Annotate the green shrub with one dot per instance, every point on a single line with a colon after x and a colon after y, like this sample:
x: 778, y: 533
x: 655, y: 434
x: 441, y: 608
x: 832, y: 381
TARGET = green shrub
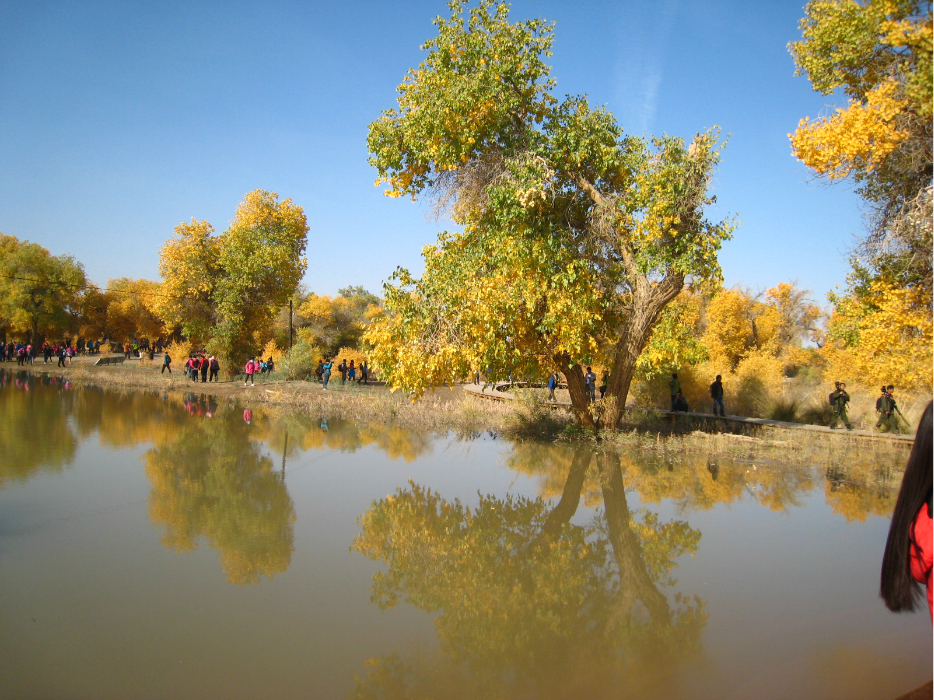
x: 300, y: 362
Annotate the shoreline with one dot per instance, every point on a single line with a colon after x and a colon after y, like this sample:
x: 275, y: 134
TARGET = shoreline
x: 453, y: 410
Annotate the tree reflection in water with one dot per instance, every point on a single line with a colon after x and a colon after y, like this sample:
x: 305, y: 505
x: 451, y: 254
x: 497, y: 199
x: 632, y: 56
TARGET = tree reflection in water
x: 34, y: 429
x: 211, y: 480
x: 529, y: 604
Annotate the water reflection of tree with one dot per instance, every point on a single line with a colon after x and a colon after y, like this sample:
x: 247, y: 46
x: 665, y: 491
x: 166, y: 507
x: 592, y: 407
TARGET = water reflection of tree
x: 128, y: 418
x: 210, y: 480
x: 305, y: 432
x: 855, y: 489
x: 858, y: 491
x: 528, y: 603
x: 35, y: 433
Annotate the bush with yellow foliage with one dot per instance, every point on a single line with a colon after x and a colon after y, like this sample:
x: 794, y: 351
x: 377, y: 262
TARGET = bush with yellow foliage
x: 752, y: 341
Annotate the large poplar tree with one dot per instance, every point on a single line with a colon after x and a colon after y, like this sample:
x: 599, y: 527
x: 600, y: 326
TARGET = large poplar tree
x: 40, y: 293
x: 878, y: 53
x: 574, y: 236
x: 222, y: 291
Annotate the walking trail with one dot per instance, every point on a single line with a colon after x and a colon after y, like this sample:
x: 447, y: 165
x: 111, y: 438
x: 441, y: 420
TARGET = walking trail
x: 494, y: 392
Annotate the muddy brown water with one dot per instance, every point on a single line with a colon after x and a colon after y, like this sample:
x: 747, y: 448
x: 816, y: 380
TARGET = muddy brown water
x: 190, y: 547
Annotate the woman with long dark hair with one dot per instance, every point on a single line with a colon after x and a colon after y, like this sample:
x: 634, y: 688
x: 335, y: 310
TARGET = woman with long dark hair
x: 908, y: 550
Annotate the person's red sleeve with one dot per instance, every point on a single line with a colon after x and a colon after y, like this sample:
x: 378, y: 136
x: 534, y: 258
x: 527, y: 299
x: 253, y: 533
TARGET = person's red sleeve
x: 921, y: 561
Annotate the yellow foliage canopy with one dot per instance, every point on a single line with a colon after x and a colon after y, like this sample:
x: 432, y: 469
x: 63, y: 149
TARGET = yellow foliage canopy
x: 859, y: 137
x: 884, y: 338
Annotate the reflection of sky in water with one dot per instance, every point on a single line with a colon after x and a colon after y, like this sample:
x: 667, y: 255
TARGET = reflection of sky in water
x: 96, y: 603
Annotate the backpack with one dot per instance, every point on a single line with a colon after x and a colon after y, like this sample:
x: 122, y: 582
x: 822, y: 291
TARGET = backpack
x: 833, y: 397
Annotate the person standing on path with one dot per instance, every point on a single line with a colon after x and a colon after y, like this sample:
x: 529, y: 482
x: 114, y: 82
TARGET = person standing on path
x: 205, y: 365
x: 674, y: 388
x: 352, y: 373
x: 215, y: 367
x: 166, y: 364
x: 884, y: 409
x: 839, y: 399
x: 61, y: 355
x: 604, y: 383
x: 326, y: 372
x: 552, y: 384
x: 590, y: 384
x: 342, y: 368
x: 364, y: 372
x: 716, y: 393
x: 248, y: 371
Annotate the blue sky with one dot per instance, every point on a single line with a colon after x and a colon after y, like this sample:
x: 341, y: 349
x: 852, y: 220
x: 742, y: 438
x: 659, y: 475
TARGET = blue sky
x: 120, y: 120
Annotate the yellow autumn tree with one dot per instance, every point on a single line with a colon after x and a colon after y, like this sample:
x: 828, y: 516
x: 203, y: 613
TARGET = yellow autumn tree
x: 130, y: 314
x: 575, y: 236
x: 879, y: 53
x: 222, y: 292
x: 339, y: 321
x: 190, y: 268
x: 882, y: 337
x: 40, y: 293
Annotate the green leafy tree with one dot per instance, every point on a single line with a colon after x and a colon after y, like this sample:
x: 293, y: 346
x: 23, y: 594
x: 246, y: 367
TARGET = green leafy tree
x: 40, y: 293
x: 575, y: 236
x: 223, y: 291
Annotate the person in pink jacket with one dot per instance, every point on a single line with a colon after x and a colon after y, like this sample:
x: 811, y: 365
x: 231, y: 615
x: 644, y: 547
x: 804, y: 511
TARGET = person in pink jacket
x: 249, y: 371
x: 908, y: 551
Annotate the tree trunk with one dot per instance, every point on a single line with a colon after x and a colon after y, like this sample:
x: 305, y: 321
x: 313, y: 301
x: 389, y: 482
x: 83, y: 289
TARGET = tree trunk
x: 634, y: 580
x: 649, y: 300
x: 561, y: 514
x: 570, y: 496
x: 580, y: 403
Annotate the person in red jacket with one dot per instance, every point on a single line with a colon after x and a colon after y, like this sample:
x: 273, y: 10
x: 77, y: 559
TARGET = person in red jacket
x: 909, y: 548
x: 248, y: 371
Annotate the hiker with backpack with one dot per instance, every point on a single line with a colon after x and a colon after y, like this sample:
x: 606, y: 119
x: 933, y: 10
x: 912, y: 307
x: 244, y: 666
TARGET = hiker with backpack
x: 839, y: 399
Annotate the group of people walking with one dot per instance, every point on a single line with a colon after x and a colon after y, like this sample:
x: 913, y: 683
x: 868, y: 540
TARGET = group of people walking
x: 25, y: 353
x: 254, y: 367
x: 347, y: 371
x: 890, y: 417
x: 207, y: 368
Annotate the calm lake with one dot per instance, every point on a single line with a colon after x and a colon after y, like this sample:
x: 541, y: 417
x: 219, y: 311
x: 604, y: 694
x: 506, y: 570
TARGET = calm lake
x: 177, y: 547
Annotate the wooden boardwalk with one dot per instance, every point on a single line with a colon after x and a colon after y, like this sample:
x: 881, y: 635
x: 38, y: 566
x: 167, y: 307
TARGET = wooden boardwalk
x: 494, y: 392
